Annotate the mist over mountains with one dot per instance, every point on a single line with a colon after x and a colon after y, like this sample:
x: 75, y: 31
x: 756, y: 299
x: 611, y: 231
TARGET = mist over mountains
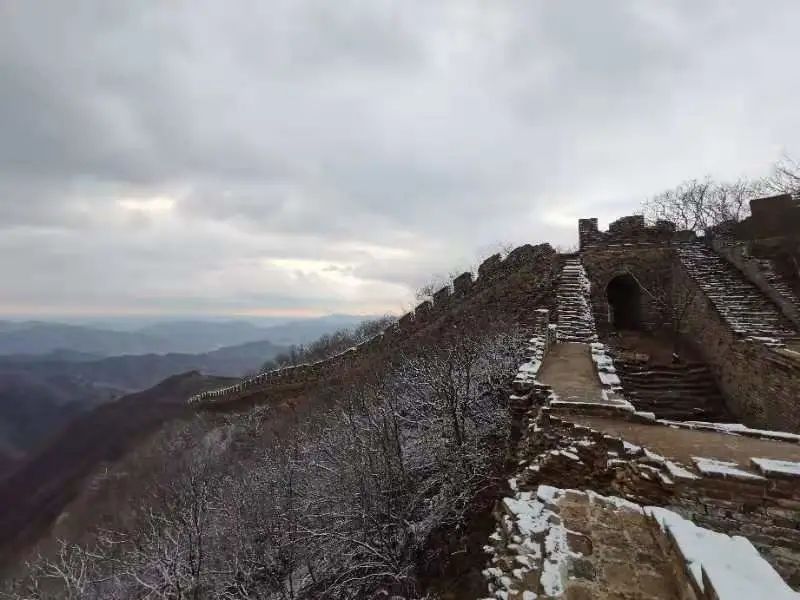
x: 185, y: 336
x: 51, y: 373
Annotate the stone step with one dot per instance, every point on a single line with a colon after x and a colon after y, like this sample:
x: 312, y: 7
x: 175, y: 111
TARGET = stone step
x: 746, y: 309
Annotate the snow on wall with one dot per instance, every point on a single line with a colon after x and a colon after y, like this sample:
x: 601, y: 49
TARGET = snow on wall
x: 713, y: 467
x: 721, y: 566
x: 777, y: 468
x: 530, y: 551
x: 734, y: 429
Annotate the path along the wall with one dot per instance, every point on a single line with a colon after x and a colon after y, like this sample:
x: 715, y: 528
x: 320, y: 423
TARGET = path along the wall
x: 577, y: 544
x: 580, y: 545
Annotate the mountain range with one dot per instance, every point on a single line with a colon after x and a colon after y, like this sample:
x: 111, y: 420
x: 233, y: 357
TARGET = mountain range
x: 50, y: 373
x: 187, y: 336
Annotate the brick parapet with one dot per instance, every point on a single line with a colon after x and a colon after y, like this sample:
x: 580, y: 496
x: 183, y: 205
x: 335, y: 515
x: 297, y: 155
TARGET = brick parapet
x: 630, y: 231
x: 536, y: 261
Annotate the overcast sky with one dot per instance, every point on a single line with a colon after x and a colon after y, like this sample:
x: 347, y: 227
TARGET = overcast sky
x: 291, y: 157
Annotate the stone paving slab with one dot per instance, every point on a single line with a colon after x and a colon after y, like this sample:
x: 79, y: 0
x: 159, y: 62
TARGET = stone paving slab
x: 568, y: 369
x: 685, y: 444
x: 577, y: 545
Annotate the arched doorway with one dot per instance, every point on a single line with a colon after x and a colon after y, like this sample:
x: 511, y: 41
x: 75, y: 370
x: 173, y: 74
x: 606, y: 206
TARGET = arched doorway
x: 624, y: 301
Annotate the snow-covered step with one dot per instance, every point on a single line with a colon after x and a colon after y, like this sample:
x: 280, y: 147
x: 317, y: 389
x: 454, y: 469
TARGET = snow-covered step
x: 745, y: 308
x: 575, y: 319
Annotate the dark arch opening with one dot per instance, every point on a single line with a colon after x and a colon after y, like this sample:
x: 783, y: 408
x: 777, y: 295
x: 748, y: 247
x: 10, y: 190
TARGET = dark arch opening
x: 624, y: 300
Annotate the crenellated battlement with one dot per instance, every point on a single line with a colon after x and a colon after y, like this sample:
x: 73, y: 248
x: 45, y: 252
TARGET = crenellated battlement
x: 450, y: 303
x: 630, y: 230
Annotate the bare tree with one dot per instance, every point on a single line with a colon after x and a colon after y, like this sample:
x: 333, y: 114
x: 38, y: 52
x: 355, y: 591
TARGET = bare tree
x: 699, y: 204
x: 330, y: 344
x: 785, y: 177
x: 340, y: 506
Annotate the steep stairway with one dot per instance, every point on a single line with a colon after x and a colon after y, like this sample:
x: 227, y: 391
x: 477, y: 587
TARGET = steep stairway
x: 575, y: 319
x: 778, y: 283
x: 681, y: 392
x: 743, y: 306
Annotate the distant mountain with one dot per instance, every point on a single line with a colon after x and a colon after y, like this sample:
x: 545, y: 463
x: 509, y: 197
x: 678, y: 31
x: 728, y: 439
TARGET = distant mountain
x: 61, y: 355
x: 39, y: 395
x: 188, y: 337
x: 308, y: 330
x: 136, y: 372
x: 37, y: 337
x: 50, y: 373
x: 32, y: 407
x: 201, y: 336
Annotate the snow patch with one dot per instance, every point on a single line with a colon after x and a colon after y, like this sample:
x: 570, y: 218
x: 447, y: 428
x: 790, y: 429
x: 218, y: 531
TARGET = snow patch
x: 733, y: 567
x: 721, y: 468
x: 678, y: 472
x: 770, y: 466
x: 734, y: 429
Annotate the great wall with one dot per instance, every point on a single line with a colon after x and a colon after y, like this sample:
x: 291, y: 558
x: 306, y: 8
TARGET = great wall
x: 661, y: 448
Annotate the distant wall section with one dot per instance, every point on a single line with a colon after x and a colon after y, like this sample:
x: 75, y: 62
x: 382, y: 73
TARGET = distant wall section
x: 507, y: 291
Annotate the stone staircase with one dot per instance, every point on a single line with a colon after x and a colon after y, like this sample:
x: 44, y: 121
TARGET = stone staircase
x: 680, y: 392
x: 740, y: 303
x: 575, y: 319
x: 779, y: 284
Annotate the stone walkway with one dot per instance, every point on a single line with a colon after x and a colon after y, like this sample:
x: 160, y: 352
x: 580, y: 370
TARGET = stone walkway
x: 621, y: 558
x: 578, y: 546
x: 568, y: 369
x: 683, y: 444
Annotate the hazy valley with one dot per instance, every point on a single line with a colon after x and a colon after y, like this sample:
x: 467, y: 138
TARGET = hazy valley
x: 51, y: 372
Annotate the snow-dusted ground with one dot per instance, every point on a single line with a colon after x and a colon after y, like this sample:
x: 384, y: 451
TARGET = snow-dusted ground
x: 533, y: 538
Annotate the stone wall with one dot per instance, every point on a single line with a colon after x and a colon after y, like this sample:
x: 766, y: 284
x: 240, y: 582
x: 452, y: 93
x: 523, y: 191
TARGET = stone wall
x: 631, y: 246
x: 763, y: 274
x: 761, y: 383
x: 776, y: 216
x: 630, y: 230
x: 506, y: 292
x: 765, y: 509
x: 650, y: 265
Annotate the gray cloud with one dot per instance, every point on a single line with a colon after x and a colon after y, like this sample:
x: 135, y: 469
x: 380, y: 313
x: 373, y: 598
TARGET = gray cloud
x: 189, y: 157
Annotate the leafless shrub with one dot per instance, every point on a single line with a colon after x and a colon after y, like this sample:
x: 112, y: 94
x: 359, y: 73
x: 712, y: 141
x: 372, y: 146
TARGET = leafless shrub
x: 330, y: 344
x: 785, y: 177
x: 698, y: 204
x: 341, y: 506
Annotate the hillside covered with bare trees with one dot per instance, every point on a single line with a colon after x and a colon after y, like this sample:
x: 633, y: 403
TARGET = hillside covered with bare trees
x: 370, y: 495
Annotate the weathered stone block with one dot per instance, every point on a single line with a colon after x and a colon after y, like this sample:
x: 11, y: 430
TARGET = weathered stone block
x: 441, y: 297
x: 422, y: 309
x: 405, y: 321
x: 489, y: 266
x: 462, y: 284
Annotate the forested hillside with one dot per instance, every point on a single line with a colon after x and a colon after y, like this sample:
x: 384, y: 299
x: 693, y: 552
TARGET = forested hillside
x: 356, y: 489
